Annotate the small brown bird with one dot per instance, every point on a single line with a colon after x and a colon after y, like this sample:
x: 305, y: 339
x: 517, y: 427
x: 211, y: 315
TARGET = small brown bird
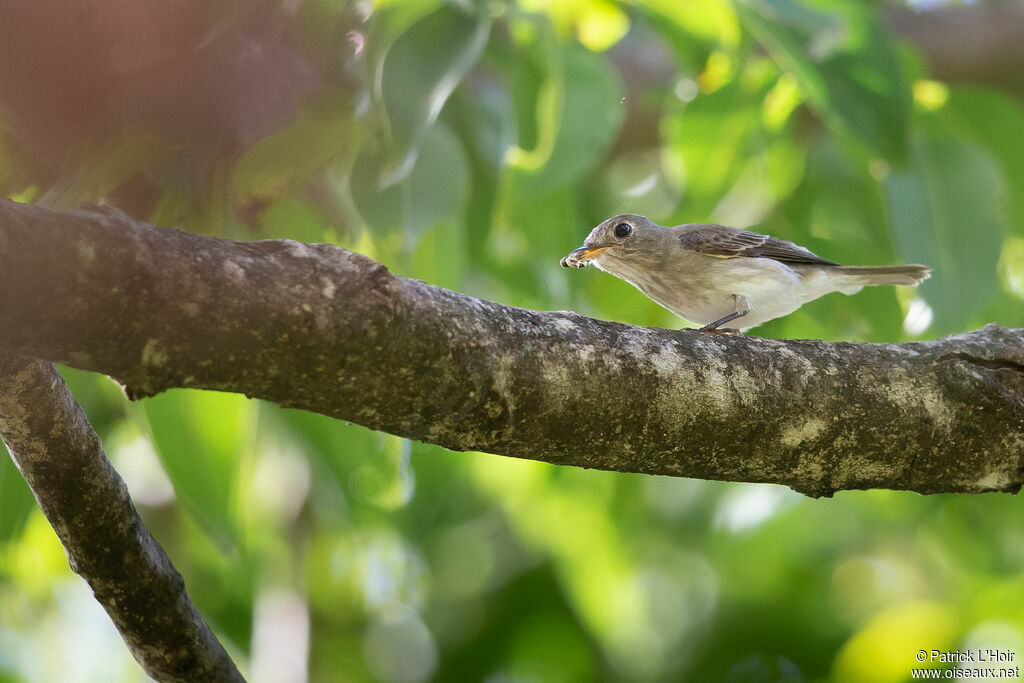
x: 713, y: 274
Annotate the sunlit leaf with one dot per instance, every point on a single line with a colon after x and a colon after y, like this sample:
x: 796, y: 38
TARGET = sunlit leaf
x: 536, y: 214
x: 787, y: 43
x: 884, y: 648
x: 711, y: 20
x: 598, y: 24
x: 589, y: 114
x: 771, y: 174
x: 601, y: 24
x: 290, y: 218
x: 847, y: 66
x: 709, y: 143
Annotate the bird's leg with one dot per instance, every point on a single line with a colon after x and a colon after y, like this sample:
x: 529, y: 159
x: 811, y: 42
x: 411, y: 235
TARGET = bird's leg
x: 742, y: 308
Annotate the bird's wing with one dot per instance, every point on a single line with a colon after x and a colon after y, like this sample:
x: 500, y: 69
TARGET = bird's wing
x: 725, y: 242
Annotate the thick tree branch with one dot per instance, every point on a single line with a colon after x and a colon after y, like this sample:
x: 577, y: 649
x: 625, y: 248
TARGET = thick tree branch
x: 88, y: 506
x: 323, y: 329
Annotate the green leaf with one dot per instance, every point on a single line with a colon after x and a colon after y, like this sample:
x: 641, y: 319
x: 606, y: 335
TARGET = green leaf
x: 421, y: 70
x: 103, y: 170
x: 587, y: 112
x: 294, y: 154
x: 784, y: 29
x: 536, y: 218
x: 369, y: 467
x: 995, y: 121
x: 946, y: 211
x: 433, y: 192
x: 290, y: 218
x: 531, y: 232
x: 718, y: 144
x: 839, y: 213
x: 440, y: 256
x: 845, y: 63
x: 202, y: 438
x: 15, y: 498
x: 708, y: 20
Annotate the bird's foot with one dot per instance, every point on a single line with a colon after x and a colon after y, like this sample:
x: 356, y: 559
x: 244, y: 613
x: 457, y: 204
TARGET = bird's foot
x: 720, y: 330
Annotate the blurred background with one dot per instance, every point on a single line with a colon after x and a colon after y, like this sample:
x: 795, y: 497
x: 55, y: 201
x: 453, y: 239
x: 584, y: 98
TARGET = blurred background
x: 472, y: 145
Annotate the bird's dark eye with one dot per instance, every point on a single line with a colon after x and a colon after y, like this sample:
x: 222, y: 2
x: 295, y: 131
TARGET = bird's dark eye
x: 623, y: 230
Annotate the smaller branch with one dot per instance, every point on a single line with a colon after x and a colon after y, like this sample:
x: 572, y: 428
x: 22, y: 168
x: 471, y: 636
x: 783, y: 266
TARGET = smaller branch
x: 979, y: 43
x: 87, y: 503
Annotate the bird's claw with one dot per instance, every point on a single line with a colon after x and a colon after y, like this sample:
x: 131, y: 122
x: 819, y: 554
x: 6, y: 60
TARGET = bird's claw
x: 720, y: 330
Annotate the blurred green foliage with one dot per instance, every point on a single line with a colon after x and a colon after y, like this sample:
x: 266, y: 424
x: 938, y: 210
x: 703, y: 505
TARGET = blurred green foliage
x: 472, y: 144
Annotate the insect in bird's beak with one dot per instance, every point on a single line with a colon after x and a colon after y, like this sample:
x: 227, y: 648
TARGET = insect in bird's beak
x: 578, y: 258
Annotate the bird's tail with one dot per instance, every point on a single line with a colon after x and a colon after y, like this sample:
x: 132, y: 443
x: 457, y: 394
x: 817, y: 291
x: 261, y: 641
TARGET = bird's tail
x: 911, y: 274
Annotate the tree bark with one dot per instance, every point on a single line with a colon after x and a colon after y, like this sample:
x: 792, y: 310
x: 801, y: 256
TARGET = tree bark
x: 87, y: 503
x: 323, y: 329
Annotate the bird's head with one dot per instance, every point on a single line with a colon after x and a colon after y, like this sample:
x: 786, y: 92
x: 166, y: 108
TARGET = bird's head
x: 625, y: 237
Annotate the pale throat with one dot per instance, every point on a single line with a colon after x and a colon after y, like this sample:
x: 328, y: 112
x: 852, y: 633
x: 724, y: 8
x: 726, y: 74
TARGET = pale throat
x: 646, y: 275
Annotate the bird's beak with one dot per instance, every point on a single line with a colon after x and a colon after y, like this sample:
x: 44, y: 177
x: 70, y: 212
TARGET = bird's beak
x: 577, y: 258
